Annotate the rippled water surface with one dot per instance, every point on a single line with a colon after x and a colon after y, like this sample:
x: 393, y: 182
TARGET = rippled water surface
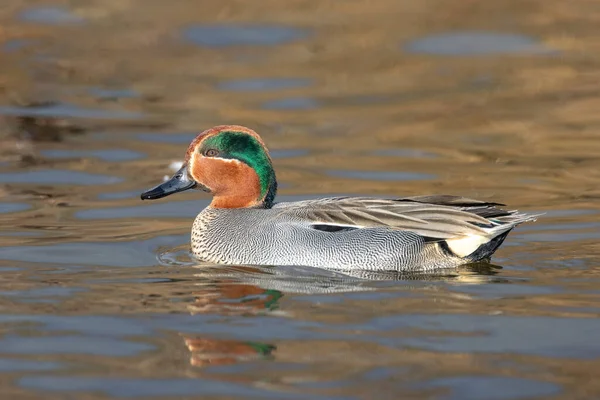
x: 99, y: 297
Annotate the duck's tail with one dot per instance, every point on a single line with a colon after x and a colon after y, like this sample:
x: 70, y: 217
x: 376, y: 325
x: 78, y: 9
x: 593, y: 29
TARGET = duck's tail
x: 480, y: 247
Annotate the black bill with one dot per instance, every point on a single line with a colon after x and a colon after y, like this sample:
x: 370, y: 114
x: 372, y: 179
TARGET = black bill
x: 178, y: 183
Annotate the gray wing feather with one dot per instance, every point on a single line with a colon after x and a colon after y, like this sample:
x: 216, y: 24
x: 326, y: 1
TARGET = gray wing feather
x: 436, y: 217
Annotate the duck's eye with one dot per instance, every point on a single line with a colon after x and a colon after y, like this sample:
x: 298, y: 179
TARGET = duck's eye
x: 211, y: 153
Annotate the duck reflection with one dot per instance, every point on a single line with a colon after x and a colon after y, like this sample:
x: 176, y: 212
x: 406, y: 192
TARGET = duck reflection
x: 210, y: 351
x: 247, y: 291
x: 225, y: 293
x: 255, y: 285
x: 243, y: 290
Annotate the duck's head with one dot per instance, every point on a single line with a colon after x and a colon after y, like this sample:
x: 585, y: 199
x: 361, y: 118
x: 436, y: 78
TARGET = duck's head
x: 229, y: 161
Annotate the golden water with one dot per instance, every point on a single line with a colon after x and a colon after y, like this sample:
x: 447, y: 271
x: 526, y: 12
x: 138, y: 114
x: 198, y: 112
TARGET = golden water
x: 98, y: 295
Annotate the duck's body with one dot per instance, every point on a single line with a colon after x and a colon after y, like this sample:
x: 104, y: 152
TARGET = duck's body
x: 244, y: 226
x: 354, y: 233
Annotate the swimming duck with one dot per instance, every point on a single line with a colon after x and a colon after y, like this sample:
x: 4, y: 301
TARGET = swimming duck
x: 244, y: 225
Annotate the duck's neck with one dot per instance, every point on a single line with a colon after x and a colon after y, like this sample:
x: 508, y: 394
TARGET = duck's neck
x: 246, y: 197
x: 267, y: 183
x: 269, y: 198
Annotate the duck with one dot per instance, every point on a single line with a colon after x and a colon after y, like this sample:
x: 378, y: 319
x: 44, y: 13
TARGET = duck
x: 244, y: 225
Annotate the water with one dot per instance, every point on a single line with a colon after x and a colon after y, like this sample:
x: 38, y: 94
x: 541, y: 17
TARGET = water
x: 12, y: 207
x: 475, y: 43
x: 104, y: 155
x: 111, y: 94
x: 50, y: 16
x: 263, y: 84
x: 379, y: 175
x: 66, y: 111
x: 476, y: 387
x: 291, y: 103
x: 100, y: 298
x: 14, y: 45
x: 413, y: 153
x: 226, y: 35
x: 57, y: 177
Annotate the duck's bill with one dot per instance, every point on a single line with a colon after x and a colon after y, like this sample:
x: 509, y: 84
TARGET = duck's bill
x: 178, y: 183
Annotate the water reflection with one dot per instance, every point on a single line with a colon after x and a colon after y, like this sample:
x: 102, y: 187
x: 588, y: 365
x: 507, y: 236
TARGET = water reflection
x: 17, y: 365
x: 66, y: 344
x: 251, y: 291
x: 232, y: 297
x: 224, y: 290
x: 67, y: 111
x: 240, y: 35
x: 493, y: 388
x: 243, y: 289
x: 104, y: 155
x: 41, y: 128
x: 291, y: 103
x: 380, y: 175
x: 57, y: 177
x: 12, y: 207
x: 476, y: 43
x: 125, y: 253
x: 45, y: 294
x: 51, y: 16
x: 131, y: 387
x: 407, y: 153
x: 113, y: 94
x: 207, y: 351
x: 14, y: 45
x: 260, y: 84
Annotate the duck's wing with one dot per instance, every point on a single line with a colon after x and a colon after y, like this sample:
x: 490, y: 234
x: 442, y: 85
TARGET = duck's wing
x: 434, y: 217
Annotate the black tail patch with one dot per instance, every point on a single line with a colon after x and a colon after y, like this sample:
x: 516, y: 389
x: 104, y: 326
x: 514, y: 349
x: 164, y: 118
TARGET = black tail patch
x: 486, y: 250
x: 483, y: 252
